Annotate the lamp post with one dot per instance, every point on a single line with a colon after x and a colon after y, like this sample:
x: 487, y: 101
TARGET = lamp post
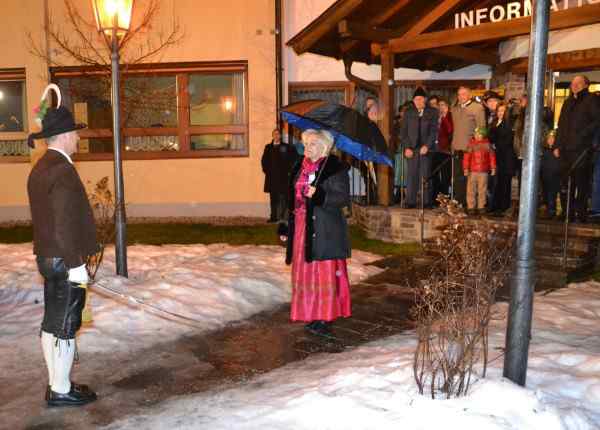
x: 113, y: 18
x: 520, y: 311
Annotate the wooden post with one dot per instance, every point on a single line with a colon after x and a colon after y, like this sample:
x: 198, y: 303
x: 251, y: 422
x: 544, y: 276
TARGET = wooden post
x: 386, y: 98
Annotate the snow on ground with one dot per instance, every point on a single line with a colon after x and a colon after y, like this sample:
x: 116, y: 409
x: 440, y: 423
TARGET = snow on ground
x: 372, y: 387
x: 209, y: 285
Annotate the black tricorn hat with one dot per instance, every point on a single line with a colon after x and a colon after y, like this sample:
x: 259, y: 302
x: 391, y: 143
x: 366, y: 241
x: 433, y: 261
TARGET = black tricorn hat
x: 420, y: 92
x: 56, y: 121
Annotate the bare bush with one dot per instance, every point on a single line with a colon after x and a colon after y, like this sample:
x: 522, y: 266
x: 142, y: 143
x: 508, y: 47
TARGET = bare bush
x: 454, y: 304
x: 103, y: 205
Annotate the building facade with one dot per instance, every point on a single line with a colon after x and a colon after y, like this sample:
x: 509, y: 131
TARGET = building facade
x: 196, y: 115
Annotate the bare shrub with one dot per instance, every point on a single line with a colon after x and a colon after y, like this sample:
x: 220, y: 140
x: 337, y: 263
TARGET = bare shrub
x: 454, y: 304
x: 103, y: 205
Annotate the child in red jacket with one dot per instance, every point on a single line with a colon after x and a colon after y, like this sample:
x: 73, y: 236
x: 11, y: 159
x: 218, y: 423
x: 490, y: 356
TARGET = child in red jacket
x: 478, y: 160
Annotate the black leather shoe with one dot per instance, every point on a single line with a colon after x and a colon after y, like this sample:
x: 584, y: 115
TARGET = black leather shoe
x: 80, y: 388
x: 75, y: 397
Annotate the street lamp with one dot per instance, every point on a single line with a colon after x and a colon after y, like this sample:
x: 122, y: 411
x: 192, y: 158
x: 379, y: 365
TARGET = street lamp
x: 113, y: 18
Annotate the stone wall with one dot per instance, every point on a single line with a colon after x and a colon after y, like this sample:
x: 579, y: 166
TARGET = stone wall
x: 396, y: 225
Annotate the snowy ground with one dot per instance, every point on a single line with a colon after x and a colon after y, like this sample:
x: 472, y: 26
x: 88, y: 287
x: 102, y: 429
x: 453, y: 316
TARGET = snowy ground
x: 207, y: 285
x: 372, y: 387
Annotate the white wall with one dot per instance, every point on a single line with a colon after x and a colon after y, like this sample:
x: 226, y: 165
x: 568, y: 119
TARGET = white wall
x: 309, y: 67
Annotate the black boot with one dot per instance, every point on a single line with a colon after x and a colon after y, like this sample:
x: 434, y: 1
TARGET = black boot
x: 78, y: 396
x: 321, y: 328
x: 310, y: 326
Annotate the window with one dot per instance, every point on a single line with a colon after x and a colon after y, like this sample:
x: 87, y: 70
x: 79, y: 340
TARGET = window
x: 167, y: 111
x: 13, y: 113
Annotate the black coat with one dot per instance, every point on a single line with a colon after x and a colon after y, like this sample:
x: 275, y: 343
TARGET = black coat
x: 277, y: 161
x: 579, y: 120
x: 501, y: 136
x: 409, y: 130
x: 63, y: 221
x: 550, y: 164
x: 326, y: 227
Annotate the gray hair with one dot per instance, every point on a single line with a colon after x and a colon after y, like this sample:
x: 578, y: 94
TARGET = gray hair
x: 323, y: 137
x: 307, y: 133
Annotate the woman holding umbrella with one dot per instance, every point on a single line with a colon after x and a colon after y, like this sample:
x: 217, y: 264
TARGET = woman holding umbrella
x: 317, y: 235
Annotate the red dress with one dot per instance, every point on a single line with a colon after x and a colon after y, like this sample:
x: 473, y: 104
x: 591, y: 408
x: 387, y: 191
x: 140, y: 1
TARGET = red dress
x: 320, y: 289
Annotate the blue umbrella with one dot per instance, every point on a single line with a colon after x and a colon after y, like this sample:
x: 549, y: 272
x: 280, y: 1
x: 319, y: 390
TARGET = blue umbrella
x: 353, y: 132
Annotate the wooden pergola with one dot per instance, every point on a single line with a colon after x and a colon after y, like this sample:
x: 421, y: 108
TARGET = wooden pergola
x: 423, y: 34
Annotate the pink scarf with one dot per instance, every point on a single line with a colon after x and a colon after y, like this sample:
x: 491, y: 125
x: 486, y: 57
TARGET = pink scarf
x: 308, y: 168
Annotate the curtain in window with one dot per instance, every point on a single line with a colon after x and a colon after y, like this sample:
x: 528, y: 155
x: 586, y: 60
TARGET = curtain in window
x: 13, y: 148
x: 238, y: 92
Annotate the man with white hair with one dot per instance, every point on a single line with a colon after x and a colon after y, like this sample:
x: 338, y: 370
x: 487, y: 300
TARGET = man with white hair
x: 418, y: 134
x: 467, y: 115
x: 64, y: 235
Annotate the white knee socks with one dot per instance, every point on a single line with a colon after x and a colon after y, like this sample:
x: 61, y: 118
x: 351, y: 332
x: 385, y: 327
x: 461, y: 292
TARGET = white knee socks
x: 63, y: 353
x: 47, y: 347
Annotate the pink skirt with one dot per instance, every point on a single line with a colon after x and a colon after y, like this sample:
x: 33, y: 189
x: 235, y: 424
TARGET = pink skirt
x: 321, y: 289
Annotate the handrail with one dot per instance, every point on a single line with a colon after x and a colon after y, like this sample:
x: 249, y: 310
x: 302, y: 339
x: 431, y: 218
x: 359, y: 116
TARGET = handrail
x: 573, y: 166
x: 427, y: 180
x: 439, y: 167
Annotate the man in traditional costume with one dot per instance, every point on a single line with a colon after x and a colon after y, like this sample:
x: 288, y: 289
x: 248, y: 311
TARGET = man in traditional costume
x: 64, y: 235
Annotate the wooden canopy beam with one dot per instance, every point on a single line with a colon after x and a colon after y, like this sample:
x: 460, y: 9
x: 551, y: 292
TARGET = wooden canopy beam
x: 304, y: 40
x: 378, y: 19
x: 584, y: 15
x: 359, y: 31
x: 432, y: 17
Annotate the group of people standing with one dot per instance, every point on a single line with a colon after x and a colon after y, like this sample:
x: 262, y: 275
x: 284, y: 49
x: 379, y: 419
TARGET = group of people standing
x: 473, y: 150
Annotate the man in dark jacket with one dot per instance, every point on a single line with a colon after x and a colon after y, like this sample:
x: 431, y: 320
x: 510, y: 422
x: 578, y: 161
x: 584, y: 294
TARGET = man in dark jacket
x: 418, y: 133
x: 579, y: 120
x: 64, y: 235
x: 277, y: 161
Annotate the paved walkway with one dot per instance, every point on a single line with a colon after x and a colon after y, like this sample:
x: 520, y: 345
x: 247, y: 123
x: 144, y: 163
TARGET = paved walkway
x: 130, y: 384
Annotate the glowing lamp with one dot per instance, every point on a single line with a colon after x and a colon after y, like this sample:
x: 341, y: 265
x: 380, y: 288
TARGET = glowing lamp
x: 227, y: 103
x: 113, y: 16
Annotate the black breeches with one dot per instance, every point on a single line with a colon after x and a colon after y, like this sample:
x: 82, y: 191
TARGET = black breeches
x: 63, y: 300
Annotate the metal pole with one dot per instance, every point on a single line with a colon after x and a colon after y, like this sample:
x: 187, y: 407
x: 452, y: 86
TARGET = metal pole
x: 422, y: 208
x: 568, y: 209
x: 120, y: 228
x: 523, y: 281
x: 551, y: 97
x: 452, y: 175
x: 278, y: 63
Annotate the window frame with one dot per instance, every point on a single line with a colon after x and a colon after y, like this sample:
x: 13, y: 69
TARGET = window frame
x: 184, y: 130
x: 15, y: 74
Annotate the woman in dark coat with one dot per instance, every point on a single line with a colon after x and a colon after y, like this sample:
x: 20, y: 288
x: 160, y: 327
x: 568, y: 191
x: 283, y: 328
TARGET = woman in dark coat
x: 317, y: 235
x: 501, y: 137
